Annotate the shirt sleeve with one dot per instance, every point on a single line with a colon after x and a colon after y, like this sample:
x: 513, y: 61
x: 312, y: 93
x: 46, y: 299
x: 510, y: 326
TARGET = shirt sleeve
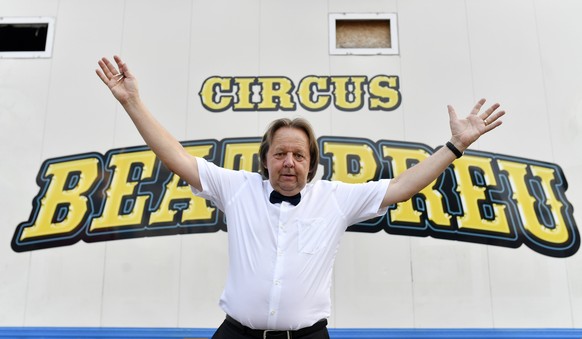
x: 217, y: 183
x: 360, y: 202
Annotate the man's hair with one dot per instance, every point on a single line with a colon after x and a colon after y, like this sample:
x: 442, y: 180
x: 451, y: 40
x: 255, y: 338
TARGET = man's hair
x: 298, y: 123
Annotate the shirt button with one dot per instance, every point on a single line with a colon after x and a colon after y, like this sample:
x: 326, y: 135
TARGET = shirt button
x: 277, y: 282
x: 280, y: 253
x: 273, y: 312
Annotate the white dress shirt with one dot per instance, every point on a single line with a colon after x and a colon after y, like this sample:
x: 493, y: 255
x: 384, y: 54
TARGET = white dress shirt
x: 281, y: 256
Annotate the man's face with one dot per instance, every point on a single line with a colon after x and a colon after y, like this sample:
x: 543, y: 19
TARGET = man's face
x: 288, y: 160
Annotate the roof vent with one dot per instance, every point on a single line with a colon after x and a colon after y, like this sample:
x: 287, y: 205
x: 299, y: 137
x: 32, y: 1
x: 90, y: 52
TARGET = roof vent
x: 363, y: 34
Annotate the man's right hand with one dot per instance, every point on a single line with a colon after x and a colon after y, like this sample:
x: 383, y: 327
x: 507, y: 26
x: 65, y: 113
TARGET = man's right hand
x: 118, y: 79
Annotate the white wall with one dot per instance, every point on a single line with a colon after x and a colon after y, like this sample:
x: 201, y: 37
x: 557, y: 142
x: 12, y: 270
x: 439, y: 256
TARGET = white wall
x: 522, y: 53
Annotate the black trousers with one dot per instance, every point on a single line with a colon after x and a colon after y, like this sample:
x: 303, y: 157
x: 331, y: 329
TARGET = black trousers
x: 230, y: 330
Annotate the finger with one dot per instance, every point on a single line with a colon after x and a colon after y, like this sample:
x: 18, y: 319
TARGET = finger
x: 109, y: 67
x: 102, y: 76
x: 452, y: 114
x: 478, y: 106
x: 493, y: 121
x: 492, y: 118
x: 123, y: 69
x: 105, y: 69
x: 118, y: 60
x: 490, y: 110
x: 492, y: 126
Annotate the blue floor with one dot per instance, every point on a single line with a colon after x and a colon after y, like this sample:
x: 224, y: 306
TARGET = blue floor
x: 335, y: 333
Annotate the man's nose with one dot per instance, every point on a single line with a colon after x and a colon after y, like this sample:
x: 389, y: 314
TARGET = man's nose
x: 288, y: 161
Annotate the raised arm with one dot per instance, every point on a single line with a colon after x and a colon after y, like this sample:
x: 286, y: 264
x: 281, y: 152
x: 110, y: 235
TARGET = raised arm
x: 463, y: 133
x: 124, y: 87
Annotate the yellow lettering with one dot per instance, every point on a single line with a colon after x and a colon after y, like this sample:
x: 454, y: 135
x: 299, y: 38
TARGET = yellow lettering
x: 472, y: 194
x: 349, y: 92
x: 405, y: 211
x: 314, y: 93
x: 384, y: 94
x: 243, y: 153
x: 559, y: 234
x: 244, y: 94
x: 276, y: 94
x: 309, y: 98
x: 212, y: 94
x: 361, y: 155
x: 64, y: 207
x: 197, y: 208
x: 129, y: 170
x: 526, y: 203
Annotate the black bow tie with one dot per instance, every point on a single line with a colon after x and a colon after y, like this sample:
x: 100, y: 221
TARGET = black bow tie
x: 277, y: 198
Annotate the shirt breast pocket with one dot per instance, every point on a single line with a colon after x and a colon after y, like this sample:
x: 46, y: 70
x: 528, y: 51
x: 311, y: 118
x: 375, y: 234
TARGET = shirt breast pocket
x: 312, y: 235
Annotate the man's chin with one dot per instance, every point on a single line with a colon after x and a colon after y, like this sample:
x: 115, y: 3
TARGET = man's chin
x: 289, y: 189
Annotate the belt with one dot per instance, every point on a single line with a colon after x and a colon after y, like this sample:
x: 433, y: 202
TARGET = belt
x: 263, y: 334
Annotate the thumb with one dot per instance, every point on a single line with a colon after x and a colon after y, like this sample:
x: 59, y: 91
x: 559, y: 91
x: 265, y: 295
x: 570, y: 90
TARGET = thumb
x: 452, y: 114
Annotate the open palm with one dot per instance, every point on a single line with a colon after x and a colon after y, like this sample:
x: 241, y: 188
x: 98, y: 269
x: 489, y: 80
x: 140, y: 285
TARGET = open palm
x: 118, y: 79
x: 468, y: 130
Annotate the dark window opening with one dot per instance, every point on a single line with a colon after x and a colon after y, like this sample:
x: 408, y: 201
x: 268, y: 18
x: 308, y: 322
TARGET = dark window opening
x: 23, y: 37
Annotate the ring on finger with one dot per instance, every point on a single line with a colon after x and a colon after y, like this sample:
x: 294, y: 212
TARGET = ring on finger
x: 118, y: 77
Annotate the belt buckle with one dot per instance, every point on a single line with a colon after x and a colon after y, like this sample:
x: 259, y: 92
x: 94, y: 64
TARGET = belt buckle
x: 265, y: 332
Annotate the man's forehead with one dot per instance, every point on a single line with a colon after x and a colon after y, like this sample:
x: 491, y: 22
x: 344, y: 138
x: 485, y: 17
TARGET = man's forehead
x: 288, y: 133
x: 289, y: 144
x: 290, y: 138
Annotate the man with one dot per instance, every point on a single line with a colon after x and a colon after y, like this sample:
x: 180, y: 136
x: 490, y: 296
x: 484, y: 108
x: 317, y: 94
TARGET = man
x: 283, y: 230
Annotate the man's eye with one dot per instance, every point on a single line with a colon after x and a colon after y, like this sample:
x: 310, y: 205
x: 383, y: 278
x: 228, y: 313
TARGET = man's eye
x: 299, y: 156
